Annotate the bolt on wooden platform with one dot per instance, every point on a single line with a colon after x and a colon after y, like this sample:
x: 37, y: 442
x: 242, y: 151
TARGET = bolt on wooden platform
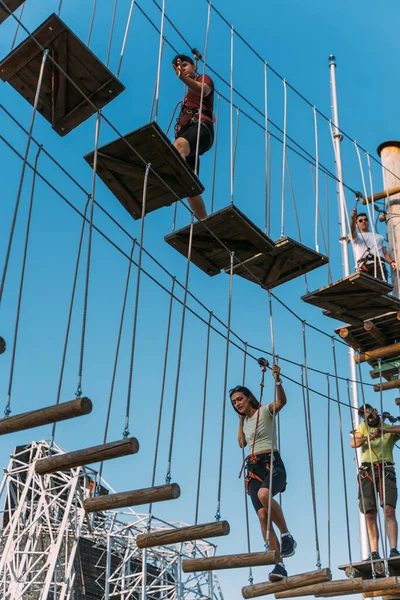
x: 363, y: 569
x: 230, y: 561
x: 183, y: 534
x: 45, y: 416
x: 289, y: 583
x: 170, y: 491
x: 342, y: 587
x: 357, y: 296
x: 387, y: 326
x: 122, y: 170
x: 229, y: 226
x: 12, y: 5
x: 87, y: 456
x: 60, y: 102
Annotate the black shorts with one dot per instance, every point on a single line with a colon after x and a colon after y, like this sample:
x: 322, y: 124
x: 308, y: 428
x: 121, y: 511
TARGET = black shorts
x: 368, y: 491
x: 262, y: 470
x: 206, y: 141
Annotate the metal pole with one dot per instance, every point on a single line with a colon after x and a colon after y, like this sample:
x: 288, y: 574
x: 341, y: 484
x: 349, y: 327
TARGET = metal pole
x: 390, y: 157
x: 337, y: 138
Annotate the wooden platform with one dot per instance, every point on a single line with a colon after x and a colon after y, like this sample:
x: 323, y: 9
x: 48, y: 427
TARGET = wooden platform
x: 12, y: 5
x: 388, y: 325
x: 363, y: 569
x: 288, y: 259
x: 122, y: 170
x: 234, y: 230
x: 61, y: 103
x: 357, y: 297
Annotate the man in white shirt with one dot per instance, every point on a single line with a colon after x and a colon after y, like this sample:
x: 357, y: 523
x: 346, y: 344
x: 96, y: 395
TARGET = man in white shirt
x: 369, y: 249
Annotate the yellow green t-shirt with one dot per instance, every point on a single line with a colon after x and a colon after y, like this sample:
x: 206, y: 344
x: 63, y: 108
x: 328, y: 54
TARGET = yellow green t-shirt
x: 389, y: 440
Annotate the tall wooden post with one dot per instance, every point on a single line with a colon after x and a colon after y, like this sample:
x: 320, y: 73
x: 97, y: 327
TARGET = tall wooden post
x: 390, y: 157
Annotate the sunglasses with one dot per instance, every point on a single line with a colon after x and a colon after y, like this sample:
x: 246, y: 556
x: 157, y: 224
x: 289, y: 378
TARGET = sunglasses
x: 362, y: 220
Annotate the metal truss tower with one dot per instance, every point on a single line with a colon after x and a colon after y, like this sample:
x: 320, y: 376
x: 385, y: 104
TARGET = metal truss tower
x: 50, y: 549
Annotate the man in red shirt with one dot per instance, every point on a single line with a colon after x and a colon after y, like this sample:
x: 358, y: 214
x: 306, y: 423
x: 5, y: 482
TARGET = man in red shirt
x: 186, y: 130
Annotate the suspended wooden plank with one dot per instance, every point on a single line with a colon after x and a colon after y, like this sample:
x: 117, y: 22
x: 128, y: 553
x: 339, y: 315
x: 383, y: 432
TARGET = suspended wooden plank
x: 357, y: 296
x: 289, y: 259
x: 381, y: 195
x: 159, y: 493
x: 225, y: 231
x: 61, y: 103
x: 394, y: 384
x: 342, y: 587
x: 3, y: 345
x: 363, y: 568
x: 87, y: 456
x: 12, y: 5
x: 121, y: 165
x: 230, y: 561
x: 289, y: 583
x: 182, y: 534
x: 383, y: 352
x: 388, y: 325
x: 45, y: 416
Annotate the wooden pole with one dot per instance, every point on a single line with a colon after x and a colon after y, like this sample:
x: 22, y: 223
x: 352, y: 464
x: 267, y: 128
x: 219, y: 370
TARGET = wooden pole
x: 384, y: 352
x: 87, y: 456
x: 342, y: 587
x: 381, y: 195
x: 233, y: 561
x: 376, y: 333
x: 350, y: 339
x: 182, y: 534
x: 387, y: 385
x: 45, y: 416
x: 170, y: 491
x: 289, y: 583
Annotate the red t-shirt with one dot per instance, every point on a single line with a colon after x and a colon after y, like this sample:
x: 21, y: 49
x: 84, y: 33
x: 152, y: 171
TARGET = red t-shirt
x: 192, y: 102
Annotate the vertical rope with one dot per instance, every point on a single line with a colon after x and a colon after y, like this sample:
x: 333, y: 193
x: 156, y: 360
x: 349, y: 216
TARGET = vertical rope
x: 7, y: 410
x: 59, y: 8
x: 284, y: 156
x: 328, y: 469
x: 228, y: 339
x: 22, y: 177
x: 271, y: 466
x: 89, y: 256
x: 266, y: 147
x: 128, y: 24
x: 214, y: 175
x: 316, y: 177
x: 136, y: 310
x: 383, y: 475
x: 296, y: 213
x: 246, y: 498
x: 202, y: 91
x: 231, y: 114
x: 91, y: 22
x: 19, y: 19
x: 111, y: 32
x: 236, y: 143
x: 269, y: 172
x: 328, y: 229
x: 160, y: 54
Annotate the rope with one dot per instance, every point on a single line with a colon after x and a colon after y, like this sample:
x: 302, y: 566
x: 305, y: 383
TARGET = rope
x: 7, y: 410
x: 214, y: 174
x: 89, y: 256
x: 383, y: 498
x: 268, y: 191
x: 246, y: 499
x: 328, y: 471
x: 231, y: 115
x: 267, y: 159
x: 296, y: 213
x: 21, y: 12
x: 91, y: 22
x: 316, y: 177
x: 284, y: 157
x: 160, y: 54
x: 271, y: 465
x: 22, y: 177
x: 128, y: 24
x: 59, y: 8
x: 111, y: 32
x: 136, y: 310
x: 221, y: 453
x: 202, y: 92
x: 322, y: 230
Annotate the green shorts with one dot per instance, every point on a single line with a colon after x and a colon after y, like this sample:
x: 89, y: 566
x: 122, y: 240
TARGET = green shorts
x: 367, y: 486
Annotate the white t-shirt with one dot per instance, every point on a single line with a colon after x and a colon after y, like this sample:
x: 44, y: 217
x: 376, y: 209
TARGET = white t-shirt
x: 365, y: 243
x: 264, y: 430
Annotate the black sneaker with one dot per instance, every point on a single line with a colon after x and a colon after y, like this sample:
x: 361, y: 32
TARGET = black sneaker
x: 288, y: 546
x: 372, y: 556
x: 279, y: 572
x: 393, y: 553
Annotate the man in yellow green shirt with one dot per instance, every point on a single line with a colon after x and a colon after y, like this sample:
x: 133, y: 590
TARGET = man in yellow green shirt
x: 377, y: 476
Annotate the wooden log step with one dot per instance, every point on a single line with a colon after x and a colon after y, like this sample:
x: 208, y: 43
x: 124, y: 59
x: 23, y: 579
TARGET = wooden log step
x: 230, y: 561
x: 160, y: 493
x: 183, y: 534
x: 45, y: 416
x: 87, y: 456
x: 122, y: 170
x: 342, y: 587
x: 3, y: 345
x: 12, y: 5
x: 60, y: 102
x: 289, y: 583
x: 383, y: 352
x: 387, y: 385
x: 381, y: 195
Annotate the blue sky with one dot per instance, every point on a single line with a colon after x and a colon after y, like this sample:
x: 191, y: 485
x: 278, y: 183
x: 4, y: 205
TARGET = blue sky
x: 296, y: 39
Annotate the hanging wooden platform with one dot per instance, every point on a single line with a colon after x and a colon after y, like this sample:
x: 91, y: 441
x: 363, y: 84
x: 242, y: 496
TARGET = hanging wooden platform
x: 357, y: 296
x: 230, y: 561
x: 87, y: 456
x: 122, y: 170
x: 45, y: 416
x: 12, y: 5
x: 363, y: 569
x: 183, y: 534
x: 61, y: 103
x: 342, y: 587
x: 289, y: 583
x: 388, y: 326
x: 235, y: 231
x: 3, y: 345
x: 288, y: 259
x: 159, y: 493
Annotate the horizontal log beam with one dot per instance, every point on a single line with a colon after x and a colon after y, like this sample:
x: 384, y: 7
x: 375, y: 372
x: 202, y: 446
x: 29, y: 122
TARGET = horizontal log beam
x: 230, y: 561
x: 159, y: 493
x: 289, y: 583
x: 45, y: 416
x: 376, y: 333
x: 386, y: 593
x: 384, y: 352
x: 387, y: 385
x: 182, y: 534
x: 342, y: 587
x: 348, y: 337
x: 381, y: 195
x: 87, y: 456
x: 387, y: 374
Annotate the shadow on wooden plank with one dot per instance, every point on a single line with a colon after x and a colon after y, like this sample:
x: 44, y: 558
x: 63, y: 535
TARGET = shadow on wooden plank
x: 12, y: 5
x: 60, y: 102
x: 236, y: 232
x: 123, y: 170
